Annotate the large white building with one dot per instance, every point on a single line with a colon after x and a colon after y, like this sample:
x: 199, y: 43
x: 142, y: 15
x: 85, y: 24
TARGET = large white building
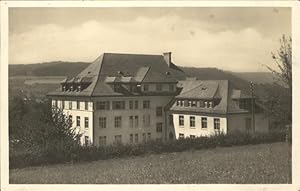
x: 120, y: 97
x: 132, y: 98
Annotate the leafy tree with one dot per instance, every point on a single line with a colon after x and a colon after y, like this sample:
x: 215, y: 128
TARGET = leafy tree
x: 35, y: 125
x: 280, y: 94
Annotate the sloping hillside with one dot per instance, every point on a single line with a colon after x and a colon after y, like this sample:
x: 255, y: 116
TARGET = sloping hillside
x: 256, y: 77
x: 70, y: 69
x: 56, y: 68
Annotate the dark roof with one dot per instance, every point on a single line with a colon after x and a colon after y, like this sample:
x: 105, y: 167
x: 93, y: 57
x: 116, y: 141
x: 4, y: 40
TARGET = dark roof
x: 208, y: 90
x: 124, y: 68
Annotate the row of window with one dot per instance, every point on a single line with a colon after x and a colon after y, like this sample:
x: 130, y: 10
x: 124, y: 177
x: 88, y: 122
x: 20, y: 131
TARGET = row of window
x: 86, y: 121
x: 158, y: 87
x: 181, y: 136
x: 71, y: 105
x: 193, y: 103
x: 133, y: 122
x: 133, y: 138
x: 203, y: 122
x: 120, y: 105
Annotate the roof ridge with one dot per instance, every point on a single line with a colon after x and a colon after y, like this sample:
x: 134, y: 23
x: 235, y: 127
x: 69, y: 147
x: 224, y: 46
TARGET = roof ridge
x: 92, y: 92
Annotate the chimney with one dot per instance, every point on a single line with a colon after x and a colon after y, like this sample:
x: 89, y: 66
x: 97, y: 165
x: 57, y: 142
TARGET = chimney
x: 167, y: 57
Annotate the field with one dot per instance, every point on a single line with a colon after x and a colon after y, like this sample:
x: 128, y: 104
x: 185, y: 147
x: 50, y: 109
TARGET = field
x: 262, y: 164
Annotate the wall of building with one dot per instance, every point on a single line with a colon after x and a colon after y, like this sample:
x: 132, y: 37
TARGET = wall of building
x: 237, y: 123
x: 110, y: 131
x: 197, y: 130
x: 82, y: 112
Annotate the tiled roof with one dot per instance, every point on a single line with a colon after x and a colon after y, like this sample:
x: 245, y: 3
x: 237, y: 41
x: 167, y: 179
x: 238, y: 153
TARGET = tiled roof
x: 124, y: 68
x: 208, y: 90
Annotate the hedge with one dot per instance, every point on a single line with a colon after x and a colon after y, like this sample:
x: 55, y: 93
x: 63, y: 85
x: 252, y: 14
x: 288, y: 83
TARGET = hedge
x: 60, y: 154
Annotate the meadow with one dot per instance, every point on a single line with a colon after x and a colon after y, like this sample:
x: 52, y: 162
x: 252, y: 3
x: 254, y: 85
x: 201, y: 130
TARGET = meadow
x: 249, y: 164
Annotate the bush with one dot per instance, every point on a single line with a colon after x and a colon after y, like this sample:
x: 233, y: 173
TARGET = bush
x: 58, y: 153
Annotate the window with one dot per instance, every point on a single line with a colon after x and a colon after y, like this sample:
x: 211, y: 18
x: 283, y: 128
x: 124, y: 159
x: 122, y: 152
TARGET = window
x: 102, y: 122
x: 216, y: 123
x: 63, y: 104
x: 136, y: 104
x: 149, y: 136
x: 118, y: 122
x: 130, y: 104
x: 136, y: 121
x: 146, y: 87
x: 170, y: 119
x: 181, y: 120
x: 55, y: 103
x: 118, y: 139
x: 71, y: 118
x: 136, y: 138
x: 192, y: 136
x: 159, y: 111
x: 171, y: 87
x: 189, y: 103
x: 205, y: 104
x: 78, y: 105
x: 158, y: 87
x: 102, y: 105
x: 118, y: 104
x: 144, y: 137
x: 78, y: 121
x: 192, y: 121
x: 146, y: 104
x: 86, y: 105
x: 86, y: 140
x: 86, y: 122
x: 202, y: 104
x: 203, y: 122
x: 194, y: 103
x: 210, y: 104
x: 70, y: 104
x: 131, y: 138
x: 181, y: 103
x: 181, y: 136
x: 131, y: 121
x: 159, y: 127
x: 178, y: 103
x: 102, y: 140
x: 146, y: 120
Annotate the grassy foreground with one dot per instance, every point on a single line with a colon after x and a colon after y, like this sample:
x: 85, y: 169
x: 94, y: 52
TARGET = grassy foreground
x: 263, y: 164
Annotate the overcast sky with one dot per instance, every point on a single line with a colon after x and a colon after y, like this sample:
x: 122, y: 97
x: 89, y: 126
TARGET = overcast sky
x: 236, y: 39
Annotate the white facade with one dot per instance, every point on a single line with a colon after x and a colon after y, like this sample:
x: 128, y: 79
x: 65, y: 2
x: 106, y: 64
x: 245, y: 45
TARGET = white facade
x: 137, y: 124
x: 83, y: 113
x: 187, y: 130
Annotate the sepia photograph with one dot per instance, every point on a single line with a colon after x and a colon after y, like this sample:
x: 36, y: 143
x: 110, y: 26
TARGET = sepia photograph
x: 150, y: 95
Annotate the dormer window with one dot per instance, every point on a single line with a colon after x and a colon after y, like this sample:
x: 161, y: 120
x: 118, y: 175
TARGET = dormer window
x: 71, y: 88
x: 79, y: 88
x: 210, y: 104
x: 205, y: 104
x: 64, y: 88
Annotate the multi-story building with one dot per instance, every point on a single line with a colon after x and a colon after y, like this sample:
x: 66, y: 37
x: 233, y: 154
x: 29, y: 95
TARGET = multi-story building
x: 131, y: 98
x: 120, y: 98
x: 209, y: 107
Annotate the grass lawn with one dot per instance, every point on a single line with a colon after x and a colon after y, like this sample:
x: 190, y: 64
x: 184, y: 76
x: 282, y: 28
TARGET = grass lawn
x: 263, y: 164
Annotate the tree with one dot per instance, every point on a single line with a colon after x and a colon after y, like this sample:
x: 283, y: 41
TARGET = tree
x: 35, y: 125
x: 280, y: 95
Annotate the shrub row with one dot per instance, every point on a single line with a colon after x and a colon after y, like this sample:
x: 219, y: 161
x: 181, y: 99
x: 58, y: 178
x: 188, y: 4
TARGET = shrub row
x: 58, y: 153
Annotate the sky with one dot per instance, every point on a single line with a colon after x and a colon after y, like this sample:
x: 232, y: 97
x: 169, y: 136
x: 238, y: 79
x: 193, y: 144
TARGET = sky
x: 234, y: 39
